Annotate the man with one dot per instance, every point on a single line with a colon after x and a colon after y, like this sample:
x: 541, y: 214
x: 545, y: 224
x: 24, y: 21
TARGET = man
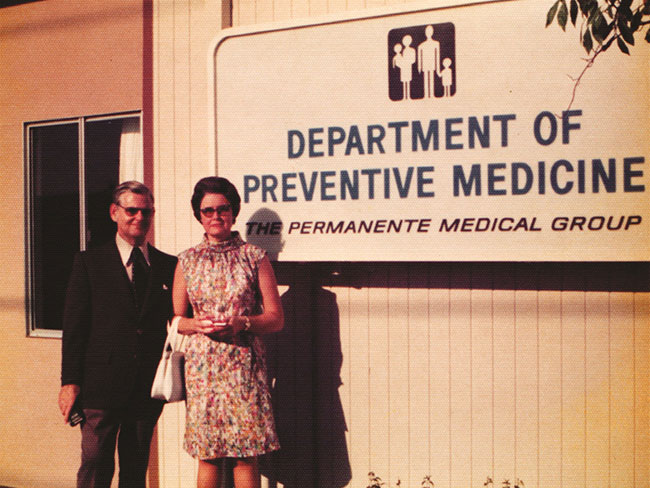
x: 114, y: 328
x: 429, y: 60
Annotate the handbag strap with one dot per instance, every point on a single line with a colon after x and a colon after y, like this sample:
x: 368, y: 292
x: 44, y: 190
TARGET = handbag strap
x: 173, y: 335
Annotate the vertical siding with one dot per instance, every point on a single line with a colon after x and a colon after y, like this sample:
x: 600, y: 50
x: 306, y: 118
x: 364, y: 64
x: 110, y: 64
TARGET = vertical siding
x: 182, y: 32
x: 548, y: 386
x: 457, y: 371
x: 550, y: 396
x: 536, y: 372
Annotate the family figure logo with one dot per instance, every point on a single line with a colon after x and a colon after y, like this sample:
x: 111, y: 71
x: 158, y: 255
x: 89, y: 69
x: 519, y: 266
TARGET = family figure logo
x: 422, y: 62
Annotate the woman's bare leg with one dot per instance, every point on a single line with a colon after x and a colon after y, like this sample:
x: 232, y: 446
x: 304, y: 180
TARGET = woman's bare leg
x: 209, y: 474
x: 246, y: 473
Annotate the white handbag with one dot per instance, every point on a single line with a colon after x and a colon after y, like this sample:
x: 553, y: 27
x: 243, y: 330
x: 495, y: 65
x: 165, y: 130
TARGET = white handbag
x: 169, y: 382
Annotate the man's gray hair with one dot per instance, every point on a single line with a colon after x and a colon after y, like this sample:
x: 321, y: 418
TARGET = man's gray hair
x: 133, y: 187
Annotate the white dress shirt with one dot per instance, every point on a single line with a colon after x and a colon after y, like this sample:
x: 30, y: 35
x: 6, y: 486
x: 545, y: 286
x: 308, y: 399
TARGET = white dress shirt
x: 125, y: 253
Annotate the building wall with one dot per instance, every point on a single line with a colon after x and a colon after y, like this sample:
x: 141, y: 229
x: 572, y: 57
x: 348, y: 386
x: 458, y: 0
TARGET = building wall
x: 57, y: 59
x: 456, y: 371
x: 182, y: 31
x: 529, y: 371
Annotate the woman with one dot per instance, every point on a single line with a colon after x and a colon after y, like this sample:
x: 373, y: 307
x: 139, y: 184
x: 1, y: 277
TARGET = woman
x: 234, y: 297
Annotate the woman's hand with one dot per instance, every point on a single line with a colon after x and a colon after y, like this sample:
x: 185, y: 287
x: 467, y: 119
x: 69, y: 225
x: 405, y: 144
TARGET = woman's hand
x: 270, y: 320
x: 229, y: 328
x: 189, y: 326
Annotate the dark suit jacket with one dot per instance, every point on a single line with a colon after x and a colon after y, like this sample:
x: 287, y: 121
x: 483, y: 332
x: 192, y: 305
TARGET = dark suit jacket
x: 109, y: 348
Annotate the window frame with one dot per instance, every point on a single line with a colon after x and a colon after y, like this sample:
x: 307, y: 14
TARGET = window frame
x: 32, y: 329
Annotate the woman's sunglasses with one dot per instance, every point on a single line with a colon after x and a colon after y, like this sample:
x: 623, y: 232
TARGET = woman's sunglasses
x: 210, y: 211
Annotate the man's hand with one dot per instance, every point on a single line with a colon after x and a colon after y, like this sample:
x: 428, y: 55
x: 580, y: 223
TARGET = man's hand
x: 67, y: 396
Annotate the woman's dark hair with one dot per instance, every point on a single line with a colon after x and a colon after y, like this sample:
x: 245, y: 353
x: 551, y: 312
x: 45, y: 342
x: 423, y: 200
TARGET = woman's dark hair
x: 215, y: 184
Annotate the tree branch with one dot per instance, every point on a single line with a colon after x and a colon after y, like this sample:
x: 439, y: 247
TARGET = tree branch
x: 577, y: 80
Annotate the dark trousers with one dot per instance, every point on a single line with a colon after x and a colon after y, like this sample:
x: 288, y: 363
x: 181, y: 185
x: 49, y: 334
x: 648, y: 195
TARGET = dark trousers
x: 100, y: 433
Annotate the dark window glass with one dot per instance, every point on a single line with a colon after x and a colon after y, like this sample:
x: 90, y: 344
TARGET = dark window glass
x: 56, y: 218
x: 102, y: 151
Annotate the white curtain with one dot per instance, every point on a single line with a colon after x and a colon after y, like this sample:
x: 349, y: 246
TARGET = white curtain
x: 131, y: 151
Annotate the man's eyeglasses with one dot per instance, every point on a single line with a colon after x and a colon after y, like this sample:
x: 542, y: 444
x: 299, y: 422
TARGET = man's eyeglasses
x: 210, y: 211
x: 133, y: 211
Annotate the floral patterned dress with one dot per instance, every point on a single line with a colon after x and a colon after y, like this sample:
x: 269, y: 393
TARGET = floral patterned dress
x: 228, y: 402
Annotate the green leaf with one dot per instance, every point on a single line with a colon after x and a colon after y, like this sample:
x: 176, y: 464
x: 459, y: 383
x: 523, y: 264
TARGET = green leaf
x: 587, y: 42
x: 593, y: 5
x: 625, y: 31
x: 574, y: 11
x: 562, y: 15
x: 607, y: 29
x: 608, y: 43
x: 636, y: 20
x: 551, y: 13
x: 622, y: 46
x: 597, y: 25
x: 600, y: 28
x: 624, y: 9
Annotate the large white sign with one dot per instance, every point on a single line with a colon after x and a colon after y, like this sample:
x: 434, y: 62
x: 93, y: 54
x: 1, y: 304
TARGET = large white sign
x: 439, y: 134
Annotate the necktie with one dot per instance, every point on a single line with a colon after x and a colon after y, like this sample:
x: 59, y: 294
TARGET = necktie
x: 139, y: 274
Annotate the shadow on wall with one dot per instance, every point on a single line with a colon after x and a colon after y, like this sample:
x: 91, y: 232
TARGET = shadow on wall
x: 304, y: 366
x: 304, y: 363
x: 264, y: 229
x: 305, y: 358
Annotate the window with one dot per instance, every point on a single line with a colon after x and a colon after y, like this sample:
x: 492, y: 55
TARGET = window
x: 72, y: 167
